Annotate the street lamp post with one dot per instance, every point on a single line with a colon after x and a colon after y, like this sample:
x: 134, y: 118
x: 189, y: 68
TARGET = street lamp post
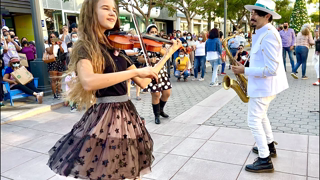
x: 225, y: 18
x: 38, y: 67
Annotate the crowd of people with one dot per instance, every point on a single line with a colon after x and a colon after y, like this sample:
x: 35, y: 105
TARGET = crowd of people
x: 60, y: 46
x: 299, y: 45
x: 190, y: 60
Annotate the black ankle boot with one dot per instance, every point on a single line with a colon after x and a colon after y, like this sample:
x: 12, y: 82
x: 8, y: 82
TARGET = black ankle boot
x: 261, y: 165
x: 272, y: 149
x: 156, y: 112
x: 162, y: 104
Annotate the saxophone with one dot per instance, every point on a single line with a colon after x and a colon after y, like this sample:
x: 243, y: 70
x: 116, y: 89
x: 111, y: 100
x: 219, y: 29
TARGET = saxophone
x: 239, y: 86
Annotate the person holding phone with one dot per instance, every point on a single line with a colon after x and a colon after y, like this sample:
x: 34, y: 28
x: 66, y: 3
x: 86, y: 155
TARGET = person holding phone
x: 55, y: 68
x: 242, y: 56
x: 13, y: 48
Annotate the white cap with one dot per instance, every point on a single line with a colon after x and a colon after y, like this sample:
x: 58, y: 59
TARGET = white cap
x: 6, y: 28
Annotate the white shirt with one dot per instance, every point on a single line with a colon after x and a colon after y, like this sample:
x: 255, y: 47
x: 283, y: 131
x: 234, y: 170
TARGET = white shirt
x: 55, y: 49
x: 200, y: 48
x: 266, y: 74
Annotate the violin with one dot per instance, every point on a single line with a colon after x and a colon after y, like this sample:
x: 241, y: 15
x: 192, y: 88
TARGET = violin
x: 187, y: 50
x: 124, y: 41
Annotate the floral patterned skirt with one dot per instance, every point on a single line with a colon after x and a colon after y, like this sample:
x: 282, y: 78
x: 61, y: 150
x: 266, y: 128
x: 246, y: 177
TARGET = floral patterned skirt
x: 109, y: 142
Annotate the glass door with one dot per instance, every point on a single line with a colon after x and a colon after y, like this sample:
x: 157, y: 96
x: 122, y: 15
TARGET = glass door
x: 71, y: 18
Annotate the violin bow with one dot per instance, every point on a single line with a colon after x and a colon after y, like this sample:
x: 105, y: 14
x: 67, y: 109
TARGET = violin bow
x: 143, y: 46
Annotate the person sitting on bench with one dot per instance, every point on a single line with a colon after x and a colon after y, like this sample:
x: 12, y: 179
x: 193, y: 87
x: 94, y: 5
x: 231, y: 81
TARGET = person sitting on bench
x: 29, y: 88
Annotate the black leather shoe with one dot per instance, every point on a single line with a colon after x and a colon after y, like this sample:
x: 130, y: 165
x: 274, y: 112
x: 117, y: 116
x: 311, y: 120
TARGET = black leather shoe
x: 156, y: 112
x: 162, y: 104
x: 261, y: 165
x: 272, y: 149
x: 157, y: 120
x: 164, y: 114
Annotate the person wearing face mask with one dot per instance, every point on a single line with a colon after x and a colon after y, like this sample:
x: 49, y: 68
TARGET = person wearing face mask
x: 161, y: 90
x: 28, y: 88
x: 200, y: 57
x: 29, y: 51
x: 13, y: 48
x: 288, y: 40
x: 191, y: 55
x: 178, y: 34
x: 182, y: 63
x: 74, y: 38
x: 173, y: 35
x: 14, y: 37
x: 3, y: 49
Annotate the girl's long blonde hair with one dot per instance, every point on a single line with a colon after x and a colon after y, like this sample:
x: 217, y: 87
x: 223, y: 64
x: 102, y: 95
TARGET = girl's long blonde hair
x: 92, y: 45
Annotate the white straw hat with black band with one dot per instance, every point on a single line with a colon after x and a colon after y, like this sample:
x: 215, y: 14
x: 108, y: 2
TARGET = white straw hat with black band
x: 267, y: 6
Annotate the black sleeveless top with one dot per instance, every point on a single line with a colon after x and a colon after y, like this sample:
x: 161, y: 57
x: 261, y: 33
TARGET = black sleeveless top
x: 121, y: 88
x: 121, y: 65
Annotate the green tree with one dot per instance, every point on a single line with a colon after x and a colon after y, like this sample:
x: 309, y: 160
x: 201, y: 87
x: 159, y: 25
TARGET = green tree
x: 283, y: 8
x: 138, y: 5
x: 208, y: 10
x: 190, y: 8
x: 299, y: 15
x: 236, y: 11
x: 315, y: 17
x: 313, y: 1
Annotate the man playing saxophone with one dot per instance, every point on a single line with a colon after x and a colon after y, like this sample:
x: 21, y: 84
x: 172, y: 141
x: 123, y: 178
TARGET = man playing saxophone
x: 266, y: 78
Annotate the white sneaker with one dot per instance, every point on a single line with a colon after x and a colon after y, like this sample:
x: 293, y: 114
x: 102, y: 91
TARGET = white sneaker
x: 201, y: 79
x: 194, y: 79
x: 73, y: 109
x: 40, y: 93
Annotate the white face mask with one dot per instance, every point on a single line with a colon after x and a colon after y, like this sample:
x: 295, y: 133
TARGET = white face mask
x: 200, y: 39
x: 6, y: 37
x: 15, y: 65
x: 181, y: 56
x: 188, y: 37
x: 74, y: 39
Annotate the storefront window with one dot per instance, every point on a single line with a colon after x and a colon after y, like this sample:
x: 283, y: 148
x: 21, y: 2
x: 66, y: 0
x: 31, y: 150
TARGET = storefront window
x: 184, y: 27
x: 53, y: 20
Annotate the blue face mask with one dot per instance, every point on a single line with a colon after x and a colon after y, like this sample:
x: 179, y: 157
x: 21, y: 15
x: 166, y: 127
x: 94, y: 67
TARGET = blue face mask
x: 181, y: 56
x: 74, y: 39
x: 200, y: 39
x: 185, y: 45
x: 188, y: 37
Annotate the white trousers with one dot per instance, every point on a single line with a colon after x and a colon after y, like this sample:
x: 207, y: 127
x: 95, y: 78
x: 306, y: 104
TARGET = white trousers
x: 259, y: 123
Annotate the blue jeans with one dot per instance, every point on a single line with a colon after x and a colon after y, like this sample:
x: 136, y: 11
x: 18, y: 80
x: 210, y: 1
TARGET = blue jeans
x: 302, y: 56
x: 284, y: 55
x: 214, y: 64
x: 175, y: 55
x: 223, y: 66
x: 199, y: 60
x: 233, y: 52
x: 177, y: 74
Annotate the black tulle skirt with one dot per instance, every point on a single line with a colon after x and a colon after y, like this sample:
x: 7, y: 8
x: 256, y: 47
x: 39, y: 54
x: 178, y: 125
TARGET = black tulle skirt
x: 109, y: 142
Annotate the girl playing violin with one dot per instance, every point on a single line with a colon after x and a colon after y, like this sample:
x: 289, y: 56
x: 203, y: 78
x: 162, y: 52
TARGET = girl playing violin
x: 110, y: 141
x: 161, y: 90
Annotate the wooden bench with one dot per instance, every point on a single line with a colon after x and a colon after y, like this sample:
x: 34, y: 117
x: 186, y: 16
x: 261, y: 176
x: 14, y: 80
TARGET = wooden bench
x: 15, y: 93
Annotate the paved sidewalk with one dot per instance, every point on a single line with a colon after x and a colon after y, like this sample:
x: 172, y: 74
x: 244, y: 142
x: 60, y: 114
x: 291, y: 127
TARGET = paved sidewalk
x: 27, y: 107
x: 183, y: 148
